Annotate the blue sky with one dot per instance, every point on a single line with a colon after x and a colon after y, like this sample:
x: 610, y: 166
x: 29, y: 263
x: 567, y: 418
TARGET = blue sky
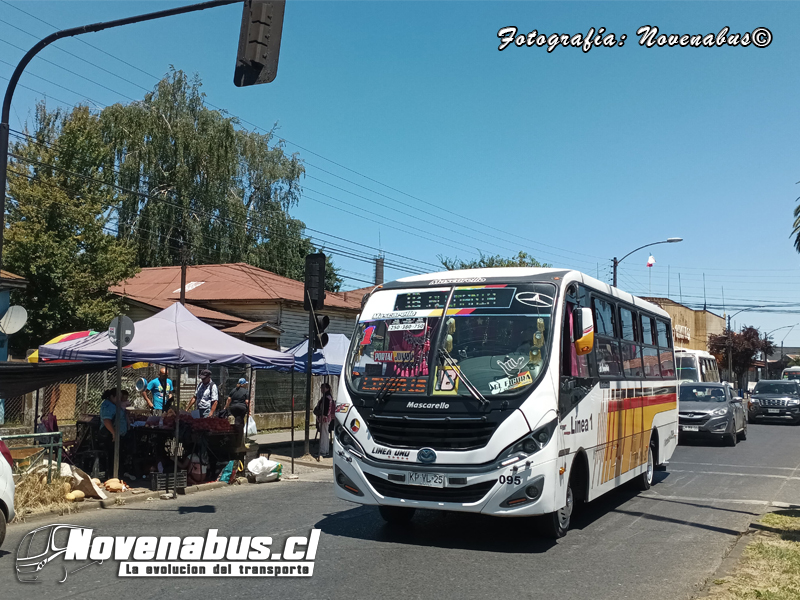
x: 408, y: 116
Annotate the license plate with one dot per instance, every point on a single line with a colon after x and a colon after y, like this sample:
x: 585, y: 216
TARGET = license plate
x: 773, y: 411
x: 690, y: 428
x: 427, y: 479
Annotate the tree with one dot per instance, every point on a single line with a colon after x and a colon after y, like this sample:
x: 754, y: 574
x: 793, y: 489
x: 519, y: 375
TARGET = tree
x: 796, y: 230
x: 744, y: 347
x: 200, y: 180
x: 522, y: 259
x: 60, y: 234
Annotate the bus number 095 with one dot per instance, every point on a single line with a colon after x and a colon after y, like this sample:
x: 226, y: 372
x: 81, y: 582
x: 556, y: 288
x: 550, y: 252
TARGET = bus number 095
x: 510, y: 480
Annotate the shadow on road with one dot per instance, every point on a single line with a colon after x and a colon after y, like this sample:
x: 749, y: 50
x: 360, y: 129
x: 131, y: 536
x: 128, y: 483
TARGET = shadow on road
x: 469, y: 531
x: 440, y: 529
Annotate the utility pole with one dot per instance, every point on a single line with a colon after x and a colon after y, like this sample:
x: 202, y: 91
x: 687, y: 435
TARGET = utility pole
x: 43, y: 43
x: 183, y: 274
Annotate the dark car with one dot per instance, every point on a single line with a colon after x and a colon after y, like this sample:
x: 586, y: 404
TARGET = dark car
x: 775, y: 399
x: 711, y: 410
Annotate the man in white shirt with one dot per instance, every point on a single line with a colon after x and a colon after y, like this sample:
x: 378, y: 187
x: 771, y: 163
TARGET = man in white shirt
x: 206, y: 395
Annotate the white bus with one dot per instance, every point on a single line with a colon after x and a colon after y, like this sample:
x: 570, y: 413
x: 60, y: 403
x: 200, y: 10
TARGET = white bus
x: 696, y: 365
x: 512, y: 391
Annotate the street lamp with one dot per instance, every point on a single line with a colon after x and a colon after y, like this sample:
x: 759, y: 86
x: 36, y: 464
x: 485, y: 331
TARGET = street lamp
x: 766, y: 339
x: 616, y: 262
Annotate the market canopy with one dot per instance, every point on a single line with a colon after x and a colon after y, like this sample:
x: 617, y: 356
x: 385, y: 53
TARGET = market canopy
x: 173, y: 336
x: 327, y: 361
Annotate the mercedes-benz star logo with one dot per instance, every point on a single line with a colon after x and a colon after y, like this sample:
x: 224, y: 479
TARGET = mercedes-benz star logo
x: 426, y: 455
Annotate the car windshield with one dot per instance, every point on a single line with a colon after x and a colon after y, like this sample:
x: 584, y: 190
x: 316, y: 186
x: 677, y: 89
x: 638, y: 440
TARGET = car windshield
x: 702, y: 393
x: 788, y: 388
x: 687, y: 368
x: 490, y: 339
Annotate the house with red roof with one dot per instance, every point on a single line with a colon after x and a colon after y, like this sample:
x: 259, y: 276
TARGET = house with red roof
x: 244, y: 301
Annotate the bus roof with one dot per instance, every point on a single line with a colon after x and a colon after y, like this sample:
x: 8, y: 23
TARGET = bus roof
x: 497, y: 275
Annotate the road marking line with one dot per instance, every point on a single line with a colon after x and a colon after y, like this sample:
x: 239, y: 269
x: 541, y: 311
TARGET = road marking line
x: 672, y: 462
x: 784, y: 477
x: 689, y: 499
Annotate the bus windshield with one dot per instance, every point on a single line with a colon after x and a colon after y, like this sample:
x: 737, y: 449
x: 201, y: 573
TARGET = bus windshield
x: 687, y: 368
x: 492, y: 340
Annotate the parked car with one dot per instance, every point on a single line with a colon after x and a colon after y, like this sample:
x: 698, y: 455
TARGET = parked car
x: 775, y: 398
x: 6, y: 490
x: 711, y: 410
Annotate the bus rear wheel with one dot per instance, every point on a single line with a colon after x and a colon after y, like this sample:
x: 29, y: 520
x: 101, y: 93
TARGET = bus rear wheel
x: 556, y: 524
x: 396, y: 514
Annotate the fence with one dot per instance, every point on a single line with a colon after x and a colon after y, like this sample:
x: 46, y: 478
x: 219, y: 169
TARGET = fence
x: 71, y: 398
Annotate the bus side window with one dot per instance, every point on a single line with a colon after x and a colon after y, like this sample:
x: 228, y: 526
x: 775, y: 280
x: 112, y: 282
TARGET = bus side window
x: 666, y: 357
x: 631, y: 351
x: 609, y: 364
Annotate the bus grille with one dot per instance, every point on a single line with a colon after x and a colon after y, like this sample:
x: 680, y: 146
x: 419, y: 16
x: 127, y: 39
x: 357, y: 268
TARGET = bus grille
x: 439, y: 434
x: 461, y: 495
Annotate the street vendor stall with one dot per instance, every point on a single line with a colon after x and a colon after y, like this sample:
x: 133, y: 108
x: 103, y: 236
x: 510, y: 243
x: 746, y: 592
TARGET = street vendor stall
x: 175, y: 338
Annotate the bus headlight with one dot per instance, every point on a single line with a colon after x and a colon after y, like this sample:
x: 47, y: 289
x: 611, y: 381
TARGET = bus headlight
x: 347, y: 441
x: 533, y: 442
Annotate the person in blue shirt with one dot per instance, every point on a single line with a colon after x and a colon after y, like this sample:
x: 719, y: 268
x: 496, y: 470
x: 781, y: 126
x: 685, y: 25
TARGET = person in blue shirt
x: 158, y: 388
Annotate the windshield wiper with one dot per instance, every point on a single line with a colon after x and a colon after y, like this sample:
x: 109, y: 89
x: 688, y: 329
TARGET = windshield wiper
x: 384, y: 391
x: 450, y: 361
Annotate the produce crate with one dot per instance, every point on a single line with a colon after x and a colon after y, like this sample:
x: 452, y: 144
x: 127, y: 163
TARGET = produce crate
x: 164, y: 481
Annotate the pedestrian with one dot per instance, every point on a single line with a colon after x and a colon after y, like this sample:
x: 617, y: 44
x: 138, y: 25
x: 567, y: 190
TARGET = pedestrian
x: 159, y: 388
x: 238, y: 404
x: 324, y: 412
x: 108, y: 427
x: 206, y: 395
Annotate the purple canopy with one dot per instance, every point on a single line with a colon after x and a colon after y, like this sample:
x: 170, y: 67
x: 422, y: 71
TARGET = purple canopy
x: 172, y: 337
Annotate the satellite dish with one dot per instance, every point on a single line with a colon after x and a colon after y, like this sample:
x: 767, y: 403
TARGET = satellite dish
x: 14, y: 320
x: 141, y: 383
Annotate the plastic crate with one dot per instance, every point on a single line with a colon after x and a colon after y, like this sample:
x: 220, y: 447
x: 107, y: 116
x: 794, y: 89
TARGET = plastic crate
x: 164, y: 481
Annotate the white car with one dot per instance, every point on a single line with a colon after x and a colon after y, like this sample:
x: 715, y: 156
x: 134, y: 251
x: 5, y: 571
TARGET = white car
x: 6, y: 490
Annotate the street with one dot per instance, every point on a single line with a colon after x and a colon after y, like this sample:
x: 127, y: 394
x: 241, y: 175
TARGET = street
x: 662, y: 544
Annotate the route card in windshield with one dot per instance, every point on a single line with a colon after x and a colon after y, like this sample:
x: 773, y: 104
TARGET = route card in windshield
x: 485, y: 297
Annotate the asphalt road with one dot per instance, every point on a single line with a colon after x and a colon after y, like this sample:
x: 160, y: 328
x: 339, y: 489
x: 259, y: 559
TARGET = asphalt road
x: 662, y: 544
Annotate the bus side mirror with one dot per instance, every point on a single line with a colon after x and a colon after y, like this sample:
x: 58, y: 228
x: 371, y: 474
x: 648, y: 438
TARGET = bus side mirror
x: 583, y: 330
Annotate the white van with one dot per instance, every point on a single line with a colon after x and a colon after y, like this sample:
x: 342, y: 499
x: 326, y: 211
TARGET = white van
x: 791, y: 373
x: 696, y: 365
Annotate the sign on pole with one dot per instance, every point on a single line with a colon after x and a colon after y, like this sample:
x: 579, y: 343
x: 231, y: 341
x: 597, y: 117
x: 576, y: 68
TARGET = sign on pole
x: 121, y: 333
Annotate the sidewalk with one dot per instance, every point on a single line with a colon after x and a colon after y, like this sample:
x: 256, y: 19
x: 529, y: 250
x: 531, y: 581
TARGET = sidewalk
x: 279, y: 446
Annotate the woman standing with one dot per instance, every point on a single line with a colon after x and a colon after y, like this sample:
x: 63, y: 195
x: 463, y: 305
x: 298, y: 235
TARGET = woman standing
x: 324, y: 419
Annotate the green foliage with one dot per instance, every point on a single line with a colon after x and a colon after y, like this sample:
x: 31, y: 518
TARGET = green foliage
x: 744, y: 346
x: 522, y: 259
x: 59, y: 234
x: 223, y: 191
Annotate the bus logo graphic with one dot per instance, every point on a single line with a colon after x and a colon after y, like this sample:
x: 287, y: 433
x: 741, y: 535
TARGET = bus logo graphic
x: 426, y: 455
x: 41, y: 548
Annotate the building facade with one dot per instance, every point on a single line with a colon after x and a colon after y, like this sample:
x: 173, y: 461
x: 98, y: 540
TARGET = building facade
x: 690, y: 328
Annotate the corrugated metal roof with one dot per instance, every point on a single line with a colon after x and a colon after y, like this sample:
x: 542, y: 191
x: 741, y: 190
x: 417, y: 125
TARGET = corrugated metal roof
x: 249, y: 327
x: 229, y: 282
x: 205, y: 314
x: 7, y: 275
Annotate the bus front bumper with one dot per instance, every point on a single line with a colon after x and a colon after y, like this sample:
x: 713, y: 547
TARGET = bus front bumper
x: 520, y: 489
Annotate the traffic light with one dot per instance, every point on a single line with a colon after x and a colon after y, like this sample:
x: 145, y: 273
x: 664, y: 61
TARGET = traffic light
x: 321, y: 323
x: 259, y: 42
x: 314, y: 292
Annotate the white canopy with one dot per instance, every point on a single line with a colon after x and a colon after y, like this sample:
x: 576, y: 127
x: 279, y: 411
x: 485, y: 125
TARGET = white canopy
x: 172, y: 337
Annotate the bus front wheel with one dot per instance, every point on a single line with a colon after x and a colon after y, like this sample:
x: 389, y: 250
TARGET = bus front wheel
x: 396, y: 514
x: 556, y: 524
